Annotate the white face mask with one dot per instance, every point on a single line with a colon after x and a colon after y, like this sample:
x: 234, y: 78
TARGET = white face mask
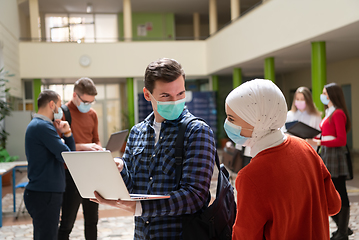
x: 83, y: 107
x: 234, y: 132
x: 59, y: 114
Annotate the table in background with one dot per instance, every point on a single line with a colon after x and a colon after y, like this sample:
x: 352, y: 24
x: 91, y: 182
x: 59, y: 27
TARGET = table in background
x: 5, y: 168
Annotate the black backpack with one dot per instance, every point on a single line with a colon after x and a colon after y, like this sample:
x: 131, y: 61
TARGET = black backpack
x: 215, y: 221
x: 67, y: 113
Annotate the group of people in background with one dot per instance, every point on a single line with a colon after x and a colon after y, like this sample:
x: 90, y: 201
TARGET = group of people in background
x: 51, y: 187
x: 287, y: 191
x: 332, y: 141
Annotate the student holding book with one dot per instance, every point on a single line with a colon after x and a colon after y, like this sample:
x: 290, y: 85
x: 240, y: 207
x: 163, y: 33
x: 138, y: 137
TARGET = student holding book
x: 335, y: 126
x: 303, y: 110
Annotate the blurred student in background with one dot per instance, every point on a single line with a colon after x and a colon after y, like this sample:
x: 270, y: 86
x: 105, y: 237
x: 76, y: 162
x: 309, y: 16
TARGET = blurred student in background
x: 303, y: 110
x: 335, y: 126
x: 84, y: 123
x: 43, y: 147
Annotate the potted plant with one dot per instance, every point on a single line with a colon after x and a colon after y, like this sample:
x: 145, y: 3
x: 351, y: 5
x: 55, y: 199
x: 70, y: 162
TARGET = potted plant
x: 5, y: 110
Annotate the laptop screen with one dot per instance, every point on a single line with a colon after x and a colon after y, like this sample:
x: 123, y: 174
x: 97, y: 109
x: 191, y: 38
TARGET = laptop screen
x: 116, y: 141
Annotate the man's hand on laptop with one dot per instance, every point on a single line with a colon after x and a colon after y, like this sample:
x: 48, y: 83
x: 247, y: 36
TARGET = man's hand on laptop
x: 119, y: 163
x: 88, y: 147
x: 129, y: 206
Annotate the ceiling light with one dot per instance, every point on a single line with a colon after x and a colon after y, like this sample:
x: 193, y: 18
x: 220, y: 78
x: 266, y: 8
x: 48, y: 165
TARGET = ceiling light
x: 89, y: 8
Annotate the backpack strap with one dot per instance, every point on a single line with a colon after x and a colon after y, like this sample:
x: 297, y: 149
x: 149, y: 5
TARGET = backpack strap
x: 179, y: 148
x: 67, y: 113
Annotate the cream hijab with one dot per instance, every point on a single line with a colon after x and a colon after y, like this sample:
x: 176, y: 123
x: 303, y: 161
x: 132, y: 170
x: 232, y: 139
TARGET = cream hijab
x: 260, y: 103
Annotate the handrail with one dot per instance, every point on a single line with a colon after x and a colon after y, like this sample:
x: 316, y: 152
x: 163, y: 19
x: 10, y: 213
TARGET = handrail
x: 113, y: 40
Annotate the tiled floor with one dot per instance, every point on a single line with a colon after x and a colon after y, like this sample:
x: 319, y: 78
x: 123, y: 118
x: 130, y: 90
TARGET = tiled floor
x: 117, y: 225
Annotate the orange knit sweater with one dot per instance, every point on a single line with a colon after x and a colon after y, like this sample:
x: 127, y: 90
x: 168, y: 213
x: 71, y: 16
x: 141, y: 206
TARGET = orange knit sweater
x: 84, y: 126
x: 285, y: 192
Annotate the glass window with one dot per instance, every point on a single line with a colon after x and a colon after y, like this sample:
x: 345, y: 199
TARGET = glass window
x: 106, y: 27
x: 81, y: 18
x: 197, y: 85
x: 59, y: 34
x: 81, y: 27
x: 29, y: 107
x: 98, y: 107
x: 58, y: 89
x: 28, y: 89
x: 68, y: 92
x: 112, y: 91
x: 113, y: 116
x: 56, y: 27
x: 100, y: 91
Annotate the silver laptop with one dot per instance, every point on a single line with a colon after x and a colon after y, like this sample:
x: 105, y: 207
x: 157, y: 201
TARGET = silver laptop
x: 116, y: 141
x: 97, y: 171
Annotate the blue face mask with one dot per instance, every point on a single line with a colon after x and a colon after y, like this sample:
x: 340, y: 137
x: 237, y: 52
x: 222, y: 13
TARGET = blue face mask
x: 324, y: 99
x: 170, y: 110
x: 59, y: 114
x: 234, y: 133
x: 84, y: 108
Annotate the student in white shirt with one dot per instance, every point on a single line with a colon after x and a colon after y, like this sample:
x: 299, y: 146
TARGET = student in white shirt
x: 304, y: 110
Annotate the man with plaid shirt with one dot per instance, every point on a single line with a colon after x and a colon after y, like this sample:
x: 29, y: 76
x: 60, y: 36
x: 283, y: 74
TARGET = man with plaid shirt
x: 148, y: 164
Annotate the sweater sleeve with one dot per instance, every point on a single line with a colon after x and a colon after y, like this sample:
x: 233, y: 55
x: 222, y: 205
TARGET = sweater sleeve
x: 339, y: 121
x: 52, y: 141
x: 70, y: 142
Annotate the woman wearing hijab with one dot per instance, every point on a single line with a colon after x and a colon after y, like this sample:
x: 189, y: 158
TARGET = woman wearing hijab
x: 303, y: 110
x: 286, y: 191
x: 335, y: 126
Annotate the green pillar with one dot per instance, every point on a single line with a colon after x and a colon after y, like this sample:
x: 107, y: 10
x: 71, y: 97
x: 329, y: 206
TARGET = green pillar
x: 130, y: 102
x: 215, y: 83
x: 36, y: 88
x: 237, y: 77
x: 215, y: 88
x: 319, y: 72
x: 269, y: 70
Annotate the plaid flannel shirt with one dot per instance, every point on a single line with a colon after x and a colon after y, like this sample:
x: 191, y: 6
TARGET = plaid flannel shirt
x: 150, y: 169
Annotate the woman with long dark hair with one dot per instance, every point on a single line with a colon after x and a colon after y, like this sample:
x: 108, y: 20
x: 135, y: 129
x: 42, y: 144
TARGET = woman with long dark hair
x: 335, y: 126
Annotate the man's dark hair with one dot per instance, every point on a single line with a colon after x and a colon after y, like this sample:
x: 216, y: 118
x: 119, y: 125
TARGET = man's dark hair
x: 85, y: 86
x: 47, y: 96
x: 164, y: 69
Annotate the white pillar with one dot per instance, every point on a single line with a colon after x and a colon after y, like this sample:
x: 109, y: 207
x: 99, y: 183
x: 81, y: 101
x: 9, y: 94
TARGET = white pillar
x: 196, y: 26
x: 213, y: 24
x: 235, y: 9
x: 34, y: 19
x: 127, y: 20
